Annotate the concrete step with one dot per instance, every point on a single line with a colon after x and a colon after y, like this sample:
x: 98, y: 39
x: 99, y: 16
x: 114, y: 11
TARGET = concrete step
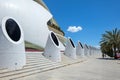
x: 26, y: 72
x: 26, y: 69
x: 4, y: 70
x: 33, y: 54
x: 38, y: 56
x: 39, y: 60
x: 44, y: 60
x: 29, y: 66
x: 39, y: 65
x: 36, y: 63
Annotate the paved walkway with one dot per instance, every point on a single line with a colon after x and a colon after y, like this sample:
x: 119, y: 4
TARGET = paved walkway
x: 92, y: 69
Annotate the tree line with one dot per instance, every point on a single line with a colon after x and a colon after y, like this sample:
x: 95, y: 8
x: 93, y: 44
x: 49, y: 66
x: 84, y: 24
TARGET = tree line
x: 110, y: 42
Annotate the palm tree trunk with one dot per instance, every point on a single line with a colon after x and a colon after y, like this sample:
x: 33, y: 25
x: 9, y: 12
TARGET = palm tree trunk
x: 115, y: 55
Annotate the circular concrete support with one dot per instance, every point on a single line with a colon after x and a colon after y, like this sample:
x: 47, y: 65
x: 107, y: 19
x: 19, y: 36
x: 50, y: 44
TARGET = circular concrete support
x: 70, y: 49
x: 12, y: 49
x: 52, y: 48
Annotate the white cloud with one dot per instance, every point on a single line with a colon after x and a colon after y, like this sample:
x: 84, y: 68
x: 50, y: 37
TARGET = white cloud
x: 74, y: 29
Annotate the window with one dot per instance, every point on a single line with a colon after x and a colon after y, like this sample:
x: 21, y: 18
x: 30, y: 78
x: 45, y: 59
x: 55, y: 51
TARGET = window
x: 13, y: 30
x: 81, y: 45
x: 55, y: 39
x: 72, y: 43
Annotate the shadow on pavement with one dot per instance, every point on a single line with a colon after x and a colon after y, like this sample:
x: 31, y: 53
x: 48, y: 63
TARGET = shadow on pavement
x: 107, y: 58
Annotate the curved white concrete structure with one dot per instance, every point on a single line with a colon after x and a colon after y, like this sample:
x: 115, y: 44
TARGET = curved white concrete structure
x: 31, y: 16
x: 70, y: 49
x: 90, y: 50
x: 86, y: 50
x: 62, y: 47
x: 12, y: 49
x: 52, y: 48
x: 62, y: 40
x: 80, y: 49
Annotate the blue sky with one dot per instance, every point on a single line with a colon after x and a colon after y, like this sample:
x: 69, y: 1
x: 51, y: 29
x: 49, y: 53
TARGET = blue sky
x: 91, y: 17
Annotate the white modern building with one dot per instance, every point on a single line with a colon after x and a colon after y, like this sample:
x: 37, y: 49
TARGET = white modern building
x: 35, y: 19
x: 22, y: 20
x: 31, y: 16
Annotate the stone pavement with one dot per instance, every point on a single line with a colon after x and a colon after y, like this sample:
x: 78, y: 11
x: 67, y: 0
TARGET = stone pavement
x: 92, y: 69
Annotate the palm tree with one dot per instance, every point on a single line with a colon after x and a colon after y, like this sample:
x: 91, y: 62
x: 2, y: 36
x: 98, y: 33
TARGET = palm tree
x: 118, y: 45
x: 106, y: 49
x: 110, y: 41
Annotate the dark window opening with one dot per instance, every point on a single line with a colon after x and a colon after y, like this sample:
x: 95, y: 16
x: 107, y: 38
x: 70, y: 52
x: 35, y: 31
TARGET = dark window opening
x: 72, y: 43
x: 55, y: 39
x: 87, y: 47
x: 81, y: 45
x: 49, y: 23
x: 13, y: 30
